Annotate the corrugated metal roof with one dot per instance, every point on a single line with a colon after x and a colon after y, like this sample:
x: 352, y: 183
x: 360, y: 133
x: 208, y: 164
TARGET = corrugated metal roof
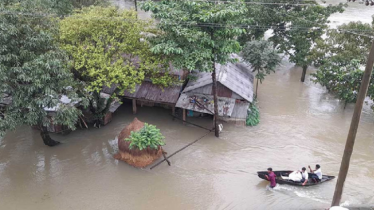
x: 150, y: 92
x: 109, y: 90
x: 63, y: 100
x: 114, y: 106
x: 236, y: 77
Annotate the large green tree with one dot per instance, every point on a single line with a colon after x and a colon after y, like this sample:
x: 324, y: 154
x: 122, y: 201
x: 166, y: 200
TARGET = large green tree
x: 296, y: 26
x: 342, y: 56
x: 342, y: 80
x: 197, y: 34
x: 33, y: 73
x: 107, y: 46
x: 349, y: 41
x: 262, y: 57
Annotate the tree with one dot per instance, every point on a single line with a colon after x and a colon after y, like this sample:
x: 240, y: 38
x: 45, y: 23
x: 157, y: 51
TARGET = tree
x: 33, y: 73
x: 296, y: 27
x: 197, y: 34
x: 342, y: 56
x: 55, y: 7
x: 344, y: 81
x: 105, y: 46
x: 262, y: 57
x: 348, y: 42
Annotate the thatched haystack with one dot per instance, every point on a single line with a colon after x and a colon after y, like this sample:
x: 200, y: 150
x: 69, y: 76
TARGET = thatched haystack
x: 134, y: 156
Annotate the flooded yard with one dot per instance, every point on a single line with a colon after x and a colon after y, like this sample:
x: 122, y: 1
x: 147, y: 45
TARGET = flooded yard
x: 301, y: 124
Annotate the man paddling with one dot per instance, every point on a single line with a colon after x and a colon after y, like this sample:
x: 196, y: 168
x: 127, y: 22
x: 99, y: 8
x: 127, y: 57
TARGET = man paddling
x: 271, y: 177
x: 316, y: 174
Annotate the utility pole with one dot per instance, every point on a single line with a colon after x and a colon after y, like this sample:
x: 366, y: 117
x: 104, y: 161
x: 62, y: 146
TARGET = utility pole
x: 353, y: 129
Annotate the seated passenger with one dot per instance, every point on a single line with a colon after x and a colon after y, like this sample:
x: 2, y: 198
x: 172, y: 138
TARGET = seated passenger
x: 304, y: 176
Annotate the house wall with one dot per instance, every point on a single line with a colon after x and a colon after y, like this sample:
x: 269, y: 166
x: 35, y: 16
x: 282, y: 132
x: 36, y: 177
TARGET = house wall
x: 223, y: 91
x: 234, y: 121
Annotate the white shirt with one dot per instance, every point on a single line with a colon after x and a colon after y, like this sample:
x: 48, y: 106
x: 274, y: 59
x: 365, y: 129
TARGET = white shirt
x: 305, y: 175
x: 318, y: 172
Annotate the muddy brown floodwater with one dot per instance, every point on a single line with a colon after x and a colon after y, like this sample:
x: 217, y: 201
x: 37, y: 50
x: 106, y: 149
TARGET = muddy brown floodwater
x: 301, y: 124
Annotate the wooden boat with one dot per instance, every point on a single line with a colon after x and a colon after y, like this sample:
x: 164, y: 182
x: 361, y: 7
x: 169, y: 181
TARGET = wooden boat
x: 282, y: 178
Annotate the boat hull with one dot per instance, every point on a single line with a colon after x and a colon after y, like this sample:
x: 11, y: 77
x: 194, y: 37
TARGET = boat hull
x: 285, y: 173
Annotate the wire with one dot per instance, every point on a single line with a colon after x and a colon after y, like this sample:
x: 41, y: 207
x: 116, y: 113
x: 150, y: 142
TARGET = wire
x: 259, y: 3
x: 214, y: 25
x: 372, y: 37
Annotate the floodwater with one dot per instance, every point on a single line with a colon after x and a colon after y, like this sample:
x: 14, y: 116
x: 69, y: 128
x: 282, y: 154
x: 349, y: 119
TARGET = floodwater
x: 300, y: 125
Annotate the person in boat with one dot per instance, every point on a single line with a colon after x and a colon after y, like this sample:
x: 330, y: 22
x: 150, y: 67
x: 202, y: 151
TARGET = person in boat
x: 304, y: 176
x: 271, y: 177
x: 316, y: 174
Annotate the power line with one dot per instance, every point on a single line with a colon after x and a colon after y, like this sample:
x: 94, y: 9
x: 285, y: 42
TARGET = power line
x: 214, y: 25
x: 260, y: 3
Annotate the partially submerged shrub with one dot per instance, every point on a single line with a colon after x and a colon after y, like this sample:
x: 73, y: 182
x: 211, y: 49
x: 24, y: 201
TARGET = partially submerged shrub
x: 253, y: 117
x: 148, y: 136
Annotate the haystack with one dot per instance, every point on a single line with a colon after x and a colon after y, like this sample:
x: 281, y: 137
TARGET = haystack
x: 134, y: 156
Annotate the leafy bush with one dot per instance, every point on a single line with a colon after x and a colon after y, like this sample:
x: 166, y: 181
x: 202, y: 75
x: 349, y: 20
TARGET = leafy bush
x: 148, y: 136
x: 253, y: 117
x: 344, y: 81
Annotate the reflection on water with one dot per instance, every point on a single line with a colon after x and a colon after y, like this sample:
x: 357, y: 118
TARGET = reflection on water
x: 301, y: 124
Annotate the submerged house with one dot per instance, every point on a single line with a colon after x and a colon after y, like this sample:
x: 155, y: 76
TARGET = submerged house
x: 234, y: 90
x: 149, y: 94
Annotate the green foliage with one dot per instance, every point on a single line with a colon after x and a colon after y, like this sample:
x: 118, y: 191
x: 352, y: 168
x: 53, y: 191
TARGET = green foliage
x: 106, y: 48
x: 342, y: 56
x: 253, y: 117
x: 87, y: 3
x: 187, y: 35
x: 99, y: 106
x: 148, y: 136
x: 344, y: 81
x: 344, y: 44
x: 33, y: 71
x: 58, y: 7
x: 294, y: 26
x: 262, y: 57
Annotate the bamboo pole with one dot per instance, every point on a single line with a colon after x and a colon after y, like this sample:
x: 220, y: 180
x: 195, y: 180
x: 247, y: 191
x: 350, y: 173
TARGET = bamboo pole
x: 353, y: 129
x: 85, y: 124
x: 134, y: 106
x: 184, y: 116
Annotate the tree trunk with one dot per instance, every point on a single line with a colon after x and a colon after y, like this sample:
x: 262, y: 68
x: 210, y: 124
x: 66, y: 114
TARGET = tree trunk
x: 256, y: 88
x: 215, y: 100
x: 46, y: 138
x: 353, y: 129
x: 304, y: 72
x: 214, y: 78
x: 136, y: 6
